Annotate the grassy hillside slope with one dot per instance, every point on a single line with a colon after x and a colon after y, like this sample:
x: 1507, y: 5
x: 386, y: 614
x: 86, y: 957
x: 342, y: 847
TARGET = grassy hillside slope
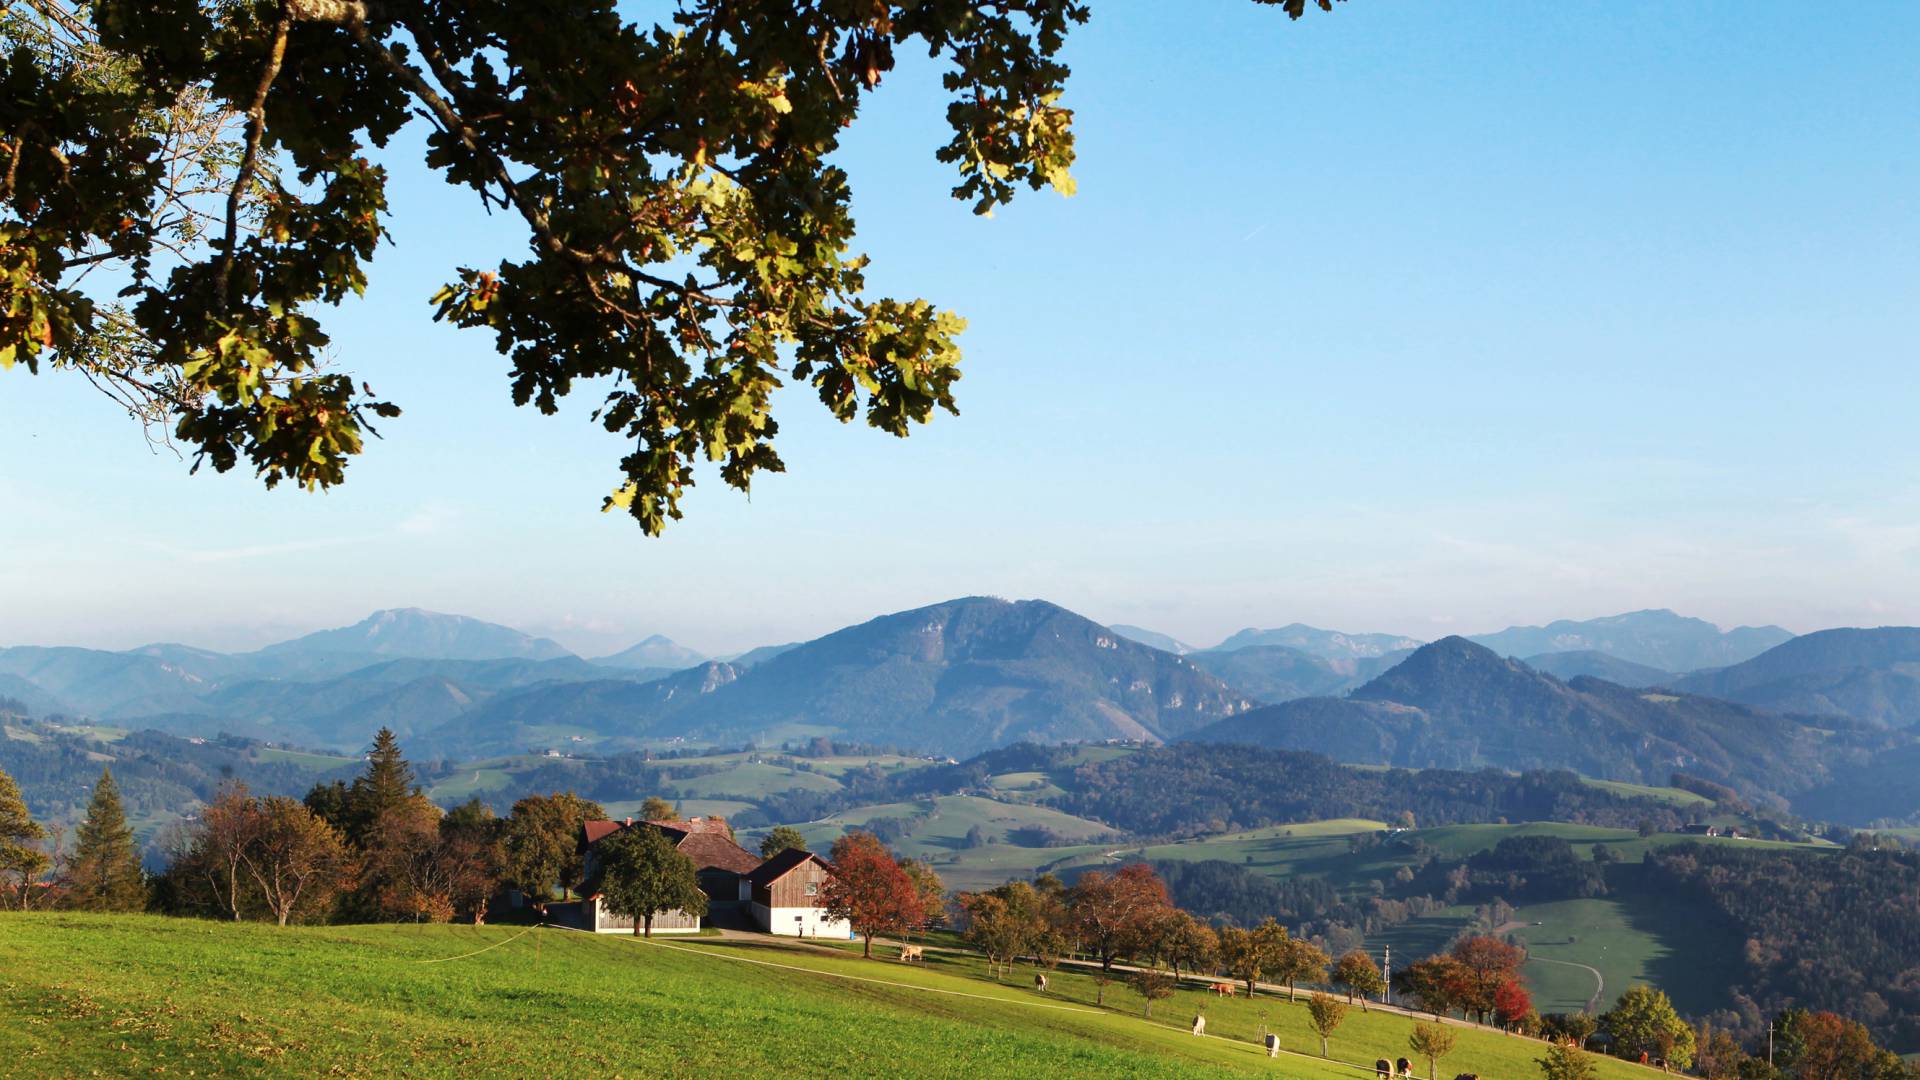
x: 128, y: 995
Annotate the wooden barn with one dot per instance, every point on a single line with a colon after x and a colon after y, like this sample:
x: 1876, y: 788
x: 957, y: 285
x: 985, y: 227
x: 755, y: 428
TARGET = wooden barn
x: 787, y: 896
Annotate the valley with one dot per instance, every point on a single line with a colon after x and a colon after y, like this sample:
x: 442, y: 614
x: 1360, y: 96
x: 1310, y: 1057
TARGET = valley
x: 1386, y: 812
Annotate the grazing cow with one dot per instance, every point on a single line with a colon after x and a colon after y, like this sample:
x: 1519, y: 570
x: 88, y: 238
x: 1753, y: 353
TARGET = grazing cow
x: 1468, y: 1076
x: 912, y: 952
x: 1273, y: 1045
x: 1225, y: 989
x: 1403, y: 1067
x: 1199, y: 1025
x: 1382, y: 1069
x: 1040, y: 981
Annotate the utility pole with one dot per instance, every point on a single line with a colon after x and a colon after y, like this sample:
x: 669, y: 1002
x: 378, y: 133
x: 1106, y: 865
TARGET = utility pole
x: 1386, y: 995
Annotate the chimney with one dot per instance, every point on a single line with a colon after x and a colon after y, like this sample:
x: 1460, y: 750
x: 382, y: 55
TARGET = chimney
x: 629, y: 821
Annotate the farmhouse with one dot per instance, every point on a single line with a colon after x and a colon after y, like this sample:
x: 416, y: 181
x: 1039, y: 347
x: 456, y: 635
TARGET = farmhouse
x: 781, y: 895
x: 720, y: 864
x: 787, y: 896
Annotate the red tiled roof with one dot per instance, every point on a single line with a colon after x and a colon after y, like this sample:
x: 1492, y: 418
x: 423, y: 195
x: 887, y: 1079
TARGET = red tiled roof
x: 709, y: 847
x: 597, y: 831
x: 713, y: 851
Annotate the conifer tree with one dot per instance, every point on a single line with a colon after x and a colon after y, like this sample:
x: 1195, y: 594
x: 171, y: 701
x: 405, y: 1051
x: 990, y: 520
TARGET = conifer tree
x: 21, y: 861
x: 387, y: 784
x: 104, y: 873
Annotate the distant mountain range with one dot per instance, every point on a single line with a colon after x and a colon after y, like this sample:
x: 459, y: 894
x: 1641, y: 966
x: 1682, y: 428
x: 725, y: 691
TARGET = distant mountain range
x: 1456, y: 704
x: 1275, y: 673
x: 1866, y: 674
x: 1328, y: 644
x: 1800, y: 720
x: 1572, y: 665
x: 1657, y: 639
x: 1163, y: 642
x: 423, y: 634
x: 951, y: 678
x: 655, y: 652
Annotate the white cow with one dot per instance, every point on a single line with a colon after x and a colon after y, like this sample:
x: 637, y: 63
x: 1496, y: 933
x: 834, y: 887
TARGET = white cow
x: 1199, y: 1025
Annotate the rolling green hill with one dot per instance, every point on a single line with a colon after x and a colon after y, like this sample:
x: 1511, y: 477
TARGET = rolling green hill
x: 121, y: 995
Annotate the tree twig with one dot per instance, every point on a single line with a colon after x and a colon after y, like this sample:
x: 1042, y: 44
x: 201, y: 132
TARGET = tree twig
x: 256, y: 128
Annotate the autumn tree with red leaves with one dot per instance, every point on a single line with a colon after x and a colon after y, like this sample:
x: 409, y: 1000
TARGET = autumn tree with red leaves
x: 869, y: 890
x: 1511, y: 1003
x: 1486, y: 965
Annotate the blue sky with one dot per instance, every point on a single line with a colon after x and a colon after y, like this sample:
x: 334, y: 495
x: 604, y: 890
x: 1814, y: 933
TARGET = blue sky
x: 1414, y: 317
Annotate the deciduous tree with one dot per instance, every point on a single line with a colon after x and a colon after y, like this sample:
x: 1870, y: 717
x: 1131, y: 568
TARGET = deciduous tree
x: 1644, y: 1021
x: 1431, y: 1041
x: 1113, y: 914
x: 1325, y: 1013
x: 932, y: 891
x: 1298, y: 959
x: 689, y: 237
x: 656, y: 808
x: 1250, y: 955
x: 1834, y: 1048
x: 1485, y: 965
x: 642, y: 875
x: 869, y: 890
x: 215, y: 851
x: 1434, y: 982
x: 1152, y: 985
x: 1564, y: 1062
x: 21, y: 860
x: 1187, y: 943
x: 1719, y: 1055
x: 104, y: 873
x: 781, y: 838
x: 1360, y: 975
x: 297, y: 863
x: 541, y: 842
x: 1512, y: 1004
x: 471, y: 858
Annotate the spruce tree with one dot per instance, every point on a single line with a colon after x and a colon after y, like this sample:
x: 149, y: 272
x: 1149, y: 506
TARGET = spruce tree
x: 386, y: 784
x: 21, y: 860
x: 104, y: 873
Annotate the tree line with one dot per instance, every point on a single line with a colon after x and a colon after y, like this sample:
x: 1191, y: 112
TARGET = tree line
x: 1836, y: 931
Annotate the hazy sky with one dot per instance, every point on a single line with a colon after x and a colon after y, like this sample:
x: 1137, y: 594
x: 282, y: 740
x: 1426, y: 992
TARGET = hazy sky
x: 1415, y: 317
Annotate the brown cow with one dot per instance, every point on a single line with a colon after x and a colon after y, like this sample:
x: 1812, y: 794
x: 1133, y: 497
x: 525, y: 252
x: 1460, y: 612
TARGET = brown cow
x: 912, y: 952
x: 1040, y: 981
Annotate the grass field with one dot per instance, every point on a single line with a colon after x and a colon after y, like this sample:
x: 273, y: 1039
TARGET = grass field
x: 1672, y: 795
x: 305, y: 758
x: 123, y: 995
x: 941, y: 836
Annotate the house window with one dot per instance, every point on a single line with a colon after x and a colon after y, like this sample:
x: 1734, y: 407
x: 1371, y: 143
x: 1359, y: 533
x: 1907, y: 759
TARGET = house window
x: 813, y: 888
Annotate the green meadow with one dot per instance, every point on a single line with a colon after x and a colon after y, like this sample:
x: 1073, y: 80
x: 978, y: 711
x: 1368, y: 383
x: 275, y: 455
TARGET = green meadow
x: 113, y: 996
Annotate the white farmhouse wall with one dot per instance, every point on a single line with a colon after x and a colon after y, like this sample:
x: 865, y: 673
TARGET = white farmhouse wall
x: 800, y: 922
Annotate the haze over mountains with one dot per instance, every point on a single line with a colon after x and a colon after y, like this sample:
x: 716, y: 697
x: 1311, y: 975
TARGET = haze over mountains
x: 1781, y: 723
x: 1456, y: 704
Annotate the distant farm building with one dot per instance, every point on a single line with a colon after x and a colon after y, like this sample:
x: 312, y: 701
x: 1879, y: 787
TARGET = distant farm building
x: 781, y: 895
x: 720, y: 864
